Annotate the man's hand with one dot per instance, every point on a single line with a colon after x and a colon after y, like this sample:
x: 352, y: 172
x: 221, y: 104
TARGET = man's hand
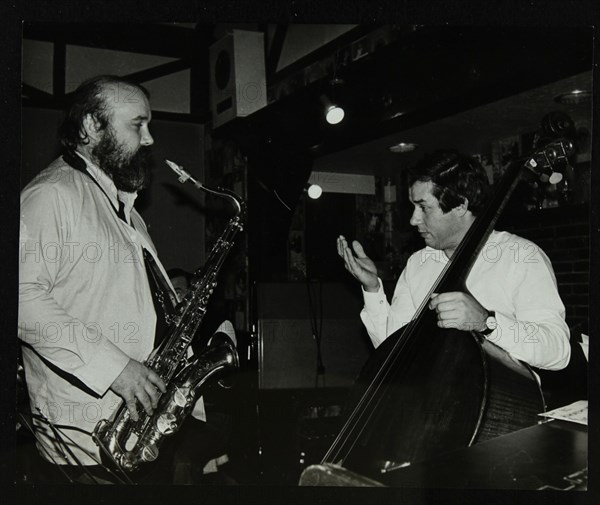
x: 361, y: 267
x: 458, y: 310
x: 138, y: 383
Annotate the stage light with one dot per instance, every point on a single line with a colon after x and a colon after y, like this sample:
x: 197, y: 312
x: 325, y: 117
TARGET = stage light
x: 334, y: 114
x: 315, y: 191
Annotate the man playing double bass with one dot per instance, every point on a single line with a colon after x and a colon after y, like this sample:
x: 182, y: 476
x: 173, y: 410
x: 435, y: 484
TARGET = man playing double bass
x: 512, y: 295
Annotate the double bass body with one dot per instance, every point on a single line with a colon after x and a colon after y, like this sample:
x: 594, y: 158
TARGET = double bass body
x: 437, y: 398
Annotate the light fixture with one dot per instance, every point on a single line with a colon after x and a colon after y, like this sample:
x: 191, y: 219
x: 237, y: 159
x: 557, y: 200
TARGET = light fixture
x: 574, y: 97
x: 314, y: 191
x: 403, y: 147
x: 333, y: 112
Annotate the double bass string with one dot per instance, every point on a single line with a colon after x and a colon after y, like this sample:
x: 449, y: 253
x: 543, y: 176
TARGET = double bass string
x: 374, y: 392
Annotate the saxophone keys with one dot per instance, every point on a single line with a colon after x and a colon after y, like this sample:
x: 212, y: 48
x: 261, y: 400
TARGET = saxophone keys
x: 181, y: 397
x: 150, y: 452
x: 167, y: 423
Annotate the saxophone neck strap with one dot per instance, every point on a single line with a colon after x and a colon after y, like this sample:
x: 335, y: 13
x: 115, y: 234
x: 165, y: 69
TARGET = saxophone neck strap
x: 76, y: 162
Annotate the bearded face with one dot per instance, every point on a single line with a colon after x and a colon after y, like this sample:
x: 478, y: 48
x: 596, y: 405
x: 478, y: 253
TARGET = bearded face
x: 129, y: 170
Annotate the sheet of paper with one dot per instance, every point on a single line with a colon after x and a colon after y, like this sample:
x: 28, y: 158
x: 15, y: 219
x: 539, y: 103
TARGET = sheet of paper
x: 575, y: 412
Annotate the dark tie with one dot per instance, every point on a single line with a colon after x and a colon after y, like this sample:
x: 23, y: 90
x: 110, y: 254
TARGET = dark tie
x: 121, y: 211
x: 163, y: 305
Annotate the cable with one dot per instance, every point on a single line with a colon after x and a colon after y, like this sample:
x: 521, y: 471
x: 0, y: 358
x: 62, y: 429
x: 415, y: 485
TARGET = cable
x: 62, y: 445
x: 282, y: 202
x: 316, y: 323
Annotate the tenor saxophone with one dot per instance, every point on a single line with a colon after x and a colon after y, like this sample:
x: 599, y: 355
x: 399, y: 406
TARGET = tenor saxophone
x: 127, y: 443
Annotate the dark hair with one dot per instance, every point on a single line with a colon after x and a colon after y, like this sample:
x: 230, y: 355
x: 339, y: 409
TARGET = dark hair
x: 455, y: 177
x: 91, y: 97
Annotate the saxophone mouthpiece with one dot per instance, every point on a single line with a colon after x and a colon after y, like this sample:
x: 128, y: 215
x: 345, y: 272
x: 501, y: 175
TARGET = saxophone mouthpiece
x: 179, y: 170
x: 183, y: 175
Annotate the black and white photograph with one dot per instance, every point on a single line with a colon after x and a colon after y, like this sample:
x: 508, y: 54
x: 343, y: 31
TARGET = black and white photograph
x: 305, y: 258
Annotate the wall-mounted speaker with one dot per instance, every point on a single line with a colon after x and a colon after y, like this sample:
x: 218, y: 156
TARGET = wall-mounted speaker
x: 237, y: 73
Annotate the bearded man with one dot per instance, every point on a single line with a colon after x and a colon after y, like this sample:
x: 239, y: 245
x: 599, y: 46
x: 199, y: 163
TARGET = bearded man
x: 88, y: 309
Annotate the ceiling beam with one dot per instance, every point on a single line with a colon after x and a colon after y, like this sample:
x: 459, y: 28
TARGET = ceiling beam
x: 275, y: 50
x: 155, y: 39
x: 322, y: 52
x: 34, y: 94
x: 159, y: 71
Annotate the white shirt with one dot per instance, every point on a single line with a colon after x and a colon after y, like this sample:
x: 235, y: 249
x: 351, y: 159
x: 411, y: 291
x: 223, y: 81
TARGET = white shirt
x: 84, y: 299
x: 511, y: 276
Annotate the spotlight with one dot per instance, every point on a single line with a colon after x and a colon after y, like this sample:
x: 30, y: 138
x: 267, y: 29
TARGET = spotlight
x: 315, y: 191
x: 333, y: 112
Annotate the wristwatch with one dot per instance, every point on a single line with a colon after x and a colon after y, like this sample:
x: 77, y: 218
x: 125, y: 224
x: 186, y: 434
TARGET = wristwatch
x: 490, y: 323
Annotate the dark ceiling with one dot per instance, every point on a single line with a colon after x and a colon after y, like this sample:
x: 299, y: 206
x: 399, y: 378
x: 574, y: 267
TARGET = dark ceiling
x: 429, y: 75
x: 413, y: 85
x: 471, y: 131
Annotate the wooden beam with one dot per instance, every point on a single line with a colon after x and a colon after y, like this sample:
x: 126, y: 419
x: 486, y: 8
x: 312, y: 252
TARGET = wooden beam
x: 37, y: 95
x: 159, y: 71
x: 275, y: 52
x: 47, y: 101
x: 159, y: 40
x: 326, y: 50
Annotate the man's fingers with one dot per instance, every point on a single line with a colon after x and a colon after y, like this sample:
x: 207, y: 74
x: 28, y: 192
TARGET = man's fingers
x: 152, y: 393
x: 350, y: 261
x: 444, y: 307
x: 358, y: 249
x: 144, y: 398
x: 438, y: 298
x: 155, y: 379
x: 447, y: 315
x: 132, y: 407
x: 341, y: 245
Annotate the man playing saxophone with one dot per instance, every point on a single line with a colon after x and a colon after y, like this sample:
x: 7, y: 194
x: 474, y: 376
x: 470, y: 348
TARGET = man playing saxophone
x: 88, y: 306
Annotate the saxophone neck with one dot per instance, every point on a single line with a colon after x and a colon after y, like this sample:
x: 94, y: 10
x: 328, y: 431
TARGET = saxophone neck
x: 238, y: 203
x: 184, y: 176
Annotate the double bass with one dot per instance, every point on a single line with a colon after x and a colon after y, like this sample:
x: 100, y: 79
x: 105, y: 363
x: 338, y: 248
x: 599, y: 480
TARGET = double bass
x: 428, y: 390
